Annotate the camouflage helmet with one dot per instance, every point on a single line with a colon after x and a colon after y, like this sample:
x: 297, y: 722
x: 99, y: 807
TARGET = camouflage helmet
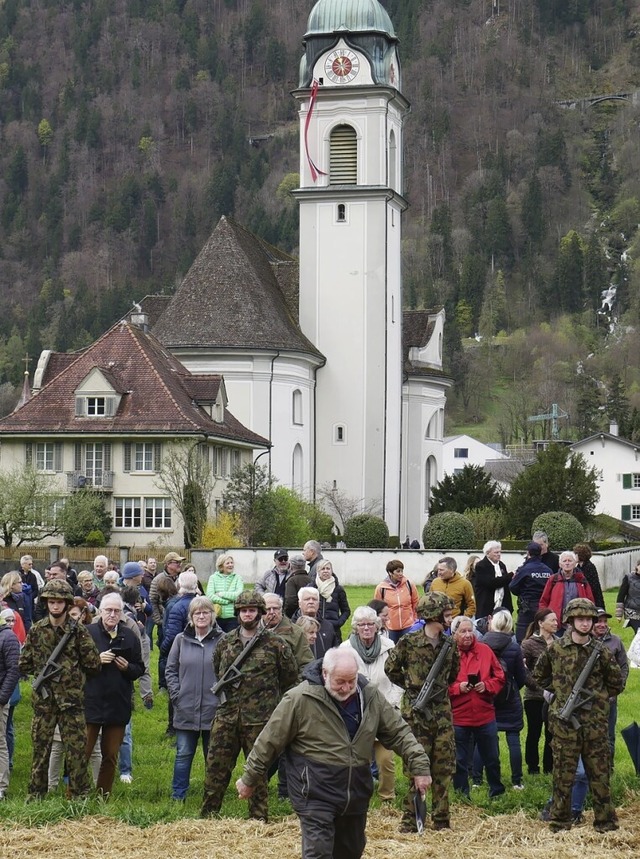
x: 57, y: 590
x: 250, y: 599
x: 432, y: 605
x: 579, y: 607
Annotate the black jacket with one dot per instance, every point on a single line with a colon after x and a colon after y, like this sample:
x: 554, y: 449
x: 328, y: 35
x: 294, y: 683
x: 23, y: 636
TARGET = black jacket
x: 486, y: 583
x: 9, y: 656
x: 108, y: 696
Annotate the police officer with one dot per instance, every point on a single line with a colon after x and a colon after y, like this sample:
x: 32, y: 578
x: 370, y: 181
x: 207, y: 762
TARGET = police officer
x: 268, y: 671
x: 61, y: 698
x: 408, y: 666
x: 557, y: 671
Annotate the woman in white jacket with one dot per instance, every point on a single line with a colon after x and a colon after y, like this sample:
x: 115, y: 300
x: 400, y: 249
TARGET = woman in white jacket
x: 372, y: 650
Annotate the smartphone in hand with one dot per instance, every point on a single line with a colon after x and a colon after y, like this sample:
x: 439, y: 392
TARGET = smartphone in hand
x: 472, y: 679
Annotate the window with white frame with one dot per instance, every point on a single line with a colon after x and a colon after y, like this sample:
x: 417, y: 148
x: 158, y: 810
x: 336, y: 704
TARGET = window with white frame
x: 48, y: 455
x: 236, y: 461
x: 297, y: 407
x: 93, y: 460
x: 221, y: 461
x: 157, y: 512
x: 145, y: 457
x: 461, y: 452
x: 95, y: 406
x: 635, y: 511
x: 127, y: 513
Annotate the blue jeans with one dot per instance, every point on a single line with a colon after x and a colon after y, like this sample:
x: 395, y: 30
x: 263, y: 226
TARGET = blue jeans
x: 580, y: 787
x: 186, y: 745
x: 515, y: 759
x: 126, y: 750
x: 486, y: 741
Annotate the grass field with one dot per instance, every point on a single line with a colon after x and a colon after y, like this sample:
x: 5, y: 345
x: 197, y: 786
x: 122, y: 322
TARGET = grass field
x: 147, y: 800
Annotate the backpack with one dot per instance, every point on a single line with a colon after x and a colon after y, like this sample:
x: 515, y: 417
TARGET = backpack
x: 506, y: 693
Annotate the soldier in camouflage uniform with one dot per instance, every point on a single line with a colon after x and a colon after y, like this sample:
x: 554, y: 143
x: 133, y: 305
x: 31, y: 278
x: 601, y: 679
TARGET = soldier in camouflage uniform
x: 557, y: 671
x: 408, y: 666
x: 64, y: 701
x: 269, y: 670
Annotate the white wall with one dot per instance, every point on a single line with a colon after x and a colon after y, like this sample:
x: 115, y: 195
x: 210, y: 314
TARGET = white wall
x: 479, y: 453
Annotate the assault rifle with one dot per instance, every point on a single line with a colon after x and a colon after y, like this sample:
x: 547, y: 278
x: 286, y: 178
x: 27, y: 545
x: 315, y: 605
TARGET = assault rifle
x: 428, y: 691
x: 233, y: 675
x: 51, y: 667
x: 578, y: 697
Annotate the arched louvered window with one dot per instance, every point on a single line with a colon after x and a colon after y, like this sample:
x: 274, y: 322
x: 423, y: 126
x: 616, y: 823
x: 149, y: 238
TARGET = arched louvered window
x: 343, y: 162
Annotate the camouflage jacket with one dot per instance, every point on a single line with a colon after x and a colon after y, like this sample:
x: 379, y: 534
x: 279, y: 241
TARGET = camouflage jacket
x: 268, y: 672
x: 559, y: 667
x: 79, y: 659
x: 408, y: 666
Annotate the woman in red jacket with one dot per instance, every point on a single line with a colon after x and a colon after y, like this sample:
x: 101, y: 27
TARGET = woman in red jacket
x: 401, y: 595
x: 564, y: 586
x: 479, y: 679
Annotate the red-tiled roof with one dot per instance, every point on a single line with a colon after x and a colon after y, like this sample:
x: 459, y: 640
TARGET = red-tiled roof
x: 158, y: 394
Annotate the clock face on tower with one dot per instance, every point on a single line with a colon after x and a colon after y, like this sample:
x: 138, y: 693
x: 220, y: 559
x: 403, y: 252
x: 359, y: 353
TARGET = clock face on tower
x: 342, y: 66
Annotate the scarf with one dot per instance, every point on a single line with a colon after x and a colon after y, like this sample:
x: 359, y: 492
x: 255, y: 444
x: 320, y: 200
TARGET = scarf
x: 367, y: 654
x: 326, y: 587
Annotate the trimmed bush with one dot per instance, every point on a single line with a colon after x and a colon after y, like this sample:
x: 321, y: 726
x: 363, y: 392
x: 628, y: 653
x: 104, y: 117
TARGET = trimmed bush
x: 562, y: 529
x: 448, y: 531
x: 366, y: 532
x: 95, y: 539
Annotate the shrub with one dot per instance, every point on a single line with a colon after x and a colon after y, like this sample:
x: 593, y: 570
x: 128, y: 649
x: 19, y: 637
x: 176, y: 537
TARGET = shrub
x: 95, y: 539
x: 448, y: 531
x: 563, y: 529
x: 488, y: 523
x: 366, y: 532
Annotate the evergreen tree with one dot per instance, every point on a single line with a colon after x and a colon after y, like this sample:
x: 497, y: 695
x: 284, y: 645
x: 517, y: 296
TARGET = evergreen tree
x: 596, y: 276
x: 617, y: 404
x: 557, y: 480
x: 499, y: 239
x: 471, y: 488
x: 569, y: 274
x: 472, y: 281
x: 532, y: 212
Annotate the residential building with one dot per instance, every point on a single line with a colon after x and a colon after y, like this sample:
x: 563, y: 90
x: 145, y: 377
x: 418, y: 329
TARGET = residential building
x: 617, y: 463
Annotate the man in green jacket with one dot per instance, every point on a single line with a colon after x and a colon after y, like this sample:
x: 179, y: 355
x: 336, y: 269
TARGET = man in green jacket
x: 327, y: 726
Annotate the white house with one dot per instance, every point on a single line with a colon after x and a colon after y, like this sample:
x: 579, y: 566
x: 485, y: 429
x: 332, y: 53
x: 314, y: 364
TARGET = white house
x: 617, y: 462
x: 461, y: 450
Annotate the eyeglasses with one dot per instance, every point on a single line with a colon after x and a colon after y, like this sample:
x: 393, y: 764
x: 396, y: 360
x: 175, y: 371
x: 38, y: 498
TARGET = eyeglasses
x: 205, y: 611
x: 363, y: 625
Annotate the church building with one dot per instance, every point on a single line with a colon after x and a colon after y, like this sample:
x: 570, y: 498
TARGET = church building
x: 318, y: 355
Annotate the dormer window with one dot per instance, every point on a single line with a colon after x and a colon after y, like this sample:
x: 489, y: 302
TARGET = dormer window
x: 95, y: 407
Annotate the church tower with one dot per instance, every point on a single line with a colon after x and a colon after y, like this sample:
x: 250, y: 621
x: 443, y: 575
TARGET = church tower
x: 351, y: 204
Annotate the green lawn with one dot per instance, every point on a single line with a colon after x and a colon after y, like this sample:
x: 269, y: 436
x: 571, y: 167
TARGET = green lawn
x: 147, y: 800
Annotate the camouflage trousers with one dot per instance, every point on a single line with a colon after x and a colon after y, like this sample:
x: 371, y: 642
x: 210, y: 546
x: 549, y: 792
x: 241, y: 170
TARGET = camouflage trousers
x: 568, y: 744
x: 438, y: 741
x: 227, y: 739
x: 73, y: 731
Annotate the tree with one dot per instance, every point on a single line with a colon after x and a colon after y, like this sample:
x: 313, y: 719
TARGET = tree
x: 569, y: 274
x: 187, y: 477
x: 532, y: 212
x: 84, y: 513
x: 289, y: 520
x: 343, y: 507
x: 562, y: 529
x: 557, y: 480
x: 45, y: 137
x: 472, y: 488
x: 448, y: 531
x: 27, y: 506
x: 244, y: 496
x: 617, y: 404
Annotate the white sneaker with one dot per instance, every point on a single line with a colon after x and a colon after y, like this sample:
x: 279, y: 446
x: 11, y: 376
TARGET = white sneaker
x: 126, y: 779
x: 518, y: 787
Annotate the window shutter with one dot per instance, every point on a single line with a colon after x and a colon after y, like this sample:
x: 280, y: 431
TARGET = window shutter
x: 106, y: 456
x: 626, y: 512
x: 80, y: 407
x: 78, y: 458
x: 28, y: 454
x: 157, y: 456
x: 57, y: 457
x: 343, y: 159
x: 126, y: 466
x: 626, y: 481
x: 110, y: 407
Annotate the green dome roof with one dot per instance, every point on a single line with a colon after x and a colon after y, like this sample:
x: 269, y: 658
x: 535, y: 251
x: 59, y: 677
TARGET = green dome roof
x: 327, y: 16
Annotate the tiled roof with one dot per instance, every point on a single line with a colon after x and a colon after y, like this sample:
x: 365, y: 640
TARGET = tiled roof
x: 58, y: 361
x: 231, y: 298
x: 159, y: 394
x: 154, y: 306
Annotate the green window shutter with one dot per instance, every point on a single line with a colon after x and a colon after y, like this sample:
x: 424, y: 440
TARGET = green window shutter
x: 127, y: 457
x: 28, y: 454
x: 626, y: 481
x: 57, y: 456
x: 157, y: 456
x: 626, y: 513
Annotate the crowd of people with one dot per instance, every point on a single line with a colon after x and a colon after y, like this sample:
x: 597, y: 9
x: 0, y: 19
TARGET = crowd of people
x: 434, y: 677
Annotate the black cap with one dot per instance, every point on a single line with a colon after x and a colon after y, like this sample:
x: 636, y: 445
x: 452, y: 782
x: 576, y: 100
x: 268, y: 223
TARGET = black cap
x: 602, y: 612
x: 280, y: 553
x: 534, y: 549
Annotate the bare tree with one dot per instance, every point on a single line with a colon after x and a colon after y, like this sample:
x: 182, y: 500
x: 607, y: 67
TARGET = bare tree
x: 343, y: 507
x: 27, y: 505
x: 186, y: 475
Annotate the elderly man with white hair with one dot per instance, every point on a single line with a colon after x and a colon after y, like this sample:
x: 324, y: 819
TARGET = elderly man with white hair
x: 371, y: 650
x: 100, y: 567
x: 326, y: 727
x: 491, y: 581
x: 108, y: 696
x: 565, y: 586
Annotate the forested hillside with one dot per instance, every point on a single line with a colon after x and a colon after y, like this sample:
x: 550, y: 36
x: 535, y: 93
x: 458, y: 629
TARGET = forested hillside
x: 127, y: 127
